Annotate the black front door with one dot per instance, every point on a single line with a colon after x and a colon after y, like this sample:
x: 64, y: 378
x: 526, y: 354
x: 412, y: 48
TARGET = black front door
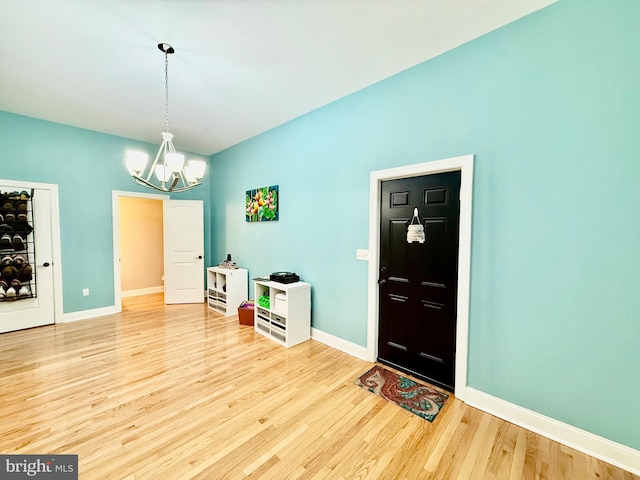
x: 418, y: 281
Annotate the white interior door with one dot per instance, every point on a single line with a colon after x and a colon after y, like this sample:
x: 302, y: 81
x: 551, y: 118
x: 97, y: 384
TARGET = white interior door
x: 183, y: 251
x: 37, y: 310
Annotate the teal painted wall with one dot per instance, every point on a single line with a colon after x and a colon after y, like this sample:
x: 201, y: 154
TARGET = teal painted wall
x: 550, y: 107
x: 87, y: 166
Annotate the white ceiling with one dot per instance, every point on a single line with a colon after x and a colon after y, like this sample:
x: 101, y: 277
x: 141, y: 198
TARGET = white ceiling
x: 241, y: 67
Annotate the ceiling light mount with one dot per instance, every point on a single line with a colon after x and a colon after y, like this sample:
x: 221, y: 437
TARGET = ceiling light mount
x: 168, y: 166
x: 166, y: 48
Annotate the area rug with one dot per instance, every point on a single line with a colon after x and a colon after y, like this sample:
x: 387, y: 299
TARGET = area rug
x: 419, y: 399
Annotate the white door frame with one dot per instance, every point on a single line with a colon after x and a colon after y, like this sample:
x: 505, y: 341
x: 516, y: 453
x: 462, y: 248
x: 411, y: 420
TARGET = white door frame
x: 56, y: 250
x: 465, y: 165
x: 115, y: 208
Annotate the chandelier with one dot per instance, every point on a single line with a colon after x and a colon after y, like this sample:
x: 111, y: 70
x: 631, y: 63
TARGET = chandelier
x: 169, y: 166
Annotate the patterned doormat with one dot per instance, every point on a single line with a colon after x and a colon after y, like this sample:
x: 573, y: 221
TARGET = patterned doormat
x: 410, y: 395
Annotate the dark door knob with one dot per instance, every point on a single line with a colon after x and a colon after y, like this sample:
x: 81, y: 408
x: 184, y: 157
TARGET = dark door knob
x: 45, y: 264
x: 199, y: 257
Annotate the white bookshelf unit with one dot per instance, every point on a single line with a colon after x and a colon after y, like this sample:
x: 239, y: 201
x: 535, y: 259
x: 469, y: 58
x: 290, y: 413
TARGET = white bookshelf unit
x: 227, y: 288
x: 287, y: 321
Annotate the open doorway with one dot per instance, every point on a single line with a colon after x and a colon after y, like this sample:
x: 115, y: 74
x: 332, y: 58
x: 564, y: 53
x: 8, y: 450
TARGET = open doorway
x: 141, y: 246
x: 138, y: 248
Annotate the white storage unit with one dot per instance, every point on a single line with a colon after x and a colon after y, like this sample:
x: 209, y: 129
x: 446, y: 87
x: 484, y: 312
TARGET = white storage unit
x: 287, y: 321
x: 227, y: 288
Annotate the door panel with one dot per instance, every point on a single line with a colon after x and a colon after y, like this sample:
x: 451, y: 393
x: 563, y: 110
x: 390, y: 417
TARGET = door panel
x: 418, y: 282
x: 434, y: 266
x: 184, y: 251
x: 39, y: 310
x: 397, y: 239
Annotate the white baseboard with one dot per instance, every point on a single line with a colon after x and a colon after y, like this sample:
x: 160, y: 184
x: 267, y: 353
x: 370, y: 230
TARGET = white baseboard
x: 142, y: 291
x: 606, y: 450
x: 86, y: 314
x: 345, y: 346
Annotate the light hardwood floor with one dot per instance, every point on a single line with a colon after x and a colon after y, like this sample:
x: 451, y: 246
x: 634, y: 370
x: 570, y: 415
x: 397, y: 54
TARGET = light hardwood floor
x: 178, y: 392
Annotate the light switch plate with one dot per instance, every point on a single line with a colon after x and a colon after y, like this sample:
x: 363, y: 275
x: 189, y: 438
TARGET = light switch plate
x: 362, y: 254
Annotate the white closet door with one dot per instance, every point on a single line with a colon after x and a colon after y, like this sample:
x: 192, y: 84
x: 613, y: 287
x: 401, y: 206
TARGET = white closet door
x: 183, y: 251
x: 37, y: 311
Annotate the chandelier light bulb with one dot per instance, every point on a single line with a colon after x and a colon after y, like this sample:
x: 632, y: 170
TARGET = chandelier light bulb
x: 136, y: 161
x: 174, y: 161
x: 197, y: 168
x: 188, y: 175
x: 163, y: 173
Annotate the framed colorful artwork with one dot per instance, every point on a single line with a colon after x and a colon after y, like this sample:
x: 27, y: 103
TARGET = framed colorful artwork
x: 261, y: 204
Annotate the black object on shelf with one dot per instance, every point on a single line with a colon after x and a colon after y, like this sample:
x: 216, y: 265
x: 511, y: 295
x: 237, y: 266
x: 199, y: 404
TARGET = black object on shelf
x: 284, y: 277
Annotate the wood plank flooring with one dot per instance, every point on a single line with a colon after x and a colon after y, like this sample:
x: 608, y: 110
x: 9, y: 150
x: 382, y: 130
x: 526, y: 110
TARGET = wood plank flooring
x: 178, y: 392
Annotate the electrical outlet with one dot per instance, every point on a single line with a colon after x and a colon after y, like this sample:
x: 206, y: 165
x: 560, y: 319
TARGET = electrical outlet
x: 362, y: 254
x: 85, y: 292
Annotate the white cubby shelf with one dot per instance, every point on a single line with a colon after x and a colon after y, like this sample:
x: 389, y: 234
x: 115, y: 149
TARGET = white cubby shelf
x: 227, y: 288
x: 287, y: 321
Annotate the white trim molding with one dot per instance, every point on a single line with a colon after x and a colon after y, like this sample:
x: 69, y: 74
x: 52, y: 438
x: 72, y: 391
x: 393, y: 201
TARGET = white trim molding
x: 87, y: 314
x: 338, y: 343
x: 465, y: 165
x: 141, y: 291
x: 606, y: 450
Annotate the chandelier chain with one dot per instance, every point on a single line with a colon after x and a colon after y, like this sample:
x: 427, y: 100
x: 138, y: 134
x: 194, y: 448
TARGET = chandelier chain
x: 166, y: 91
